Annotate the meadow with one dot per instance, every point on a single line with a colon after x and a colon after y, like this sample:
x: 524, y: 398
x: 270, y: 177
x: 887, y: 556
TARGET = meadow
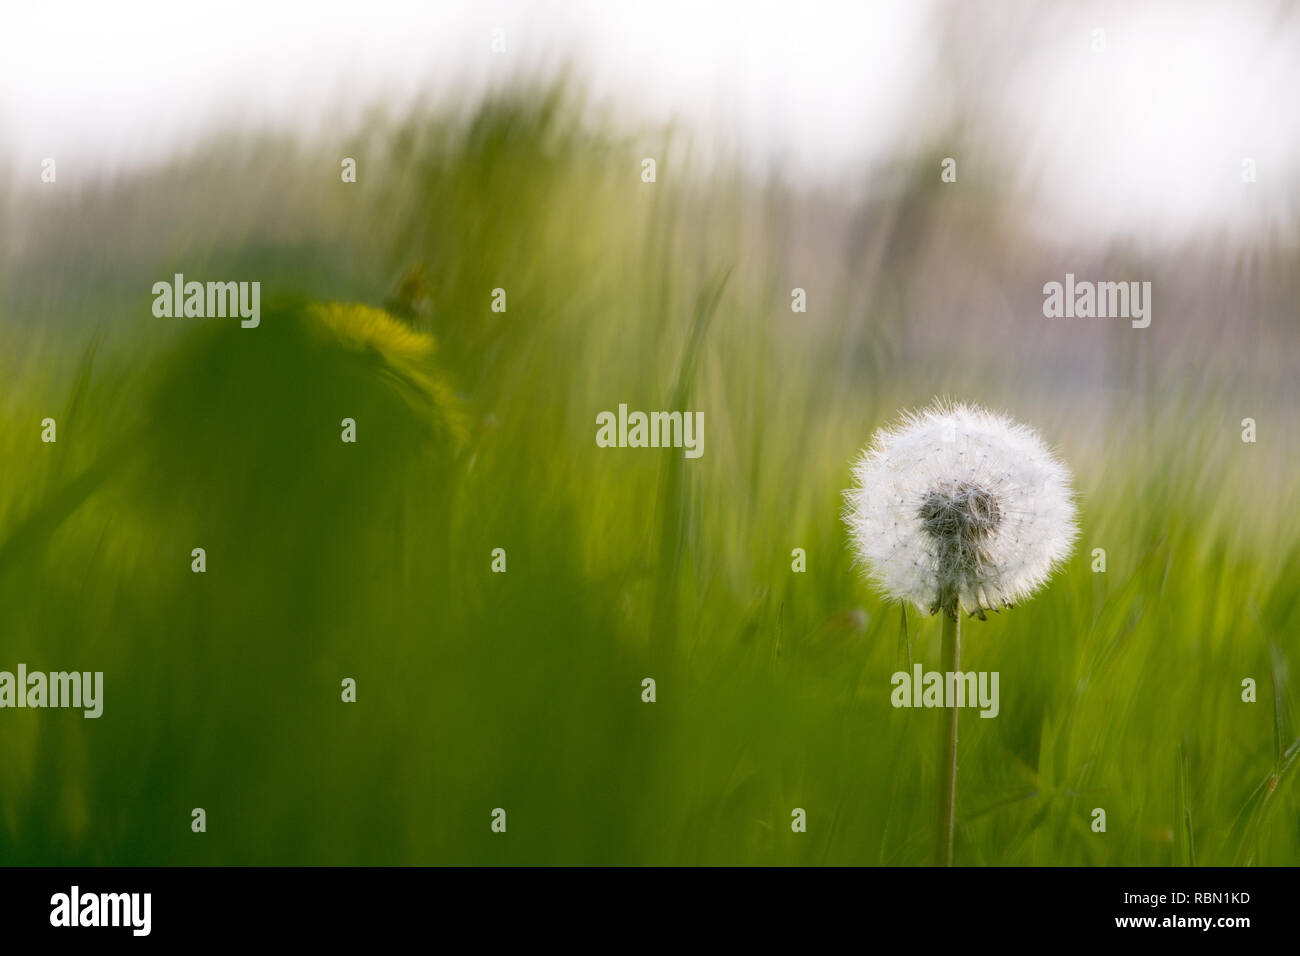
x: 476, y: 430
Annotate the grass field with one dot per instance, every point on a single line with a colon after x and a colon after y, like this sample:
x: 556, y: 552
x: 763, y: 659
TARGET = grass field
x: 476, y: 430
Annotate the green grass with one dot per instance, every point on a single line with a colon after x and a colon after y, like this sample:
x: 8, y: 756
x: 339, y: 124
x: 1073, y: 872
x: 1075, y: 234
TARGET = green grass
x: 522, y: 690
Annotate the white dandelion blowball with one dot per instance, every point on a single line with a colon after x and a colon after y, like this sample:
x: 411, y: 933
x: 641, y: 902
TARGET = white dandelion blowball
x: 957, y: 508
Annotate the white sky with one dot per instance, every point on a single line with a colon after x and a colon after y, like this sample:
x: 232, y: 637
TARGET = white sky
x: 1148, y: 136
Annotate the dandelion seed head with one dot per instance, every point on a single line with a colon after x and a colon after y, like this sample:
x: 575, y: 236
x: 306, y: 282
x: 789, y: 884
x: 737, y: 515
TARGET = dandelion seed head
x: 959, y: 508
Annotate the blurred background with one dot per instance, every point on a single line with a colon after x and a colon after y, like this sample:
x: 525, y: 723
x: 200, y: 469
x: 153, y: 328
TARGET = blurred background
x: 501, y: 146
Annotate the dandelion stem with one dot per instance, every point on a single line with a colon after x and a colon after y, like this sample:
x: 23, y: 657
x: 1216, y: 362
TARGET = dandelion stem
x: 948, y: 797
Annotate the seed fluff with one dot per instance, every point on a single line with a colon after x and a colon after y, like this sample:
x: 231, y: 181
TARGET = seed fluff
x: 959, y: 508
